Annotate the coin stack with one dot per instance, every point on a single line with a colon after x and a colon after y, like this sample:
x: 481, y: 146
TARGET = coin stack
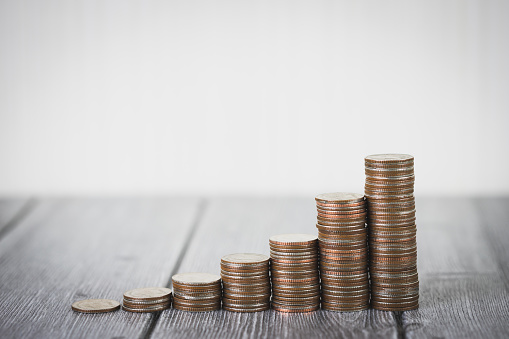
x: 246, y: 282
x: 149, y: 299
x: 196, y: 292
x: 294, y: 273
x: 342, y: 238
x: 389, y: 193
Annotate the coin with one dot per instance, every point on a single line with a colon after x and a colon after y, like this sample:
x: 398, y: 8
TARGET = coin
x: 147, y: 293
x: 390, y: 158
x: 196, y: 278
x: 245, y: 258
x: 293, y: 239
x: 147, y: 309
x: 339, y: 197
x: 95, y: 306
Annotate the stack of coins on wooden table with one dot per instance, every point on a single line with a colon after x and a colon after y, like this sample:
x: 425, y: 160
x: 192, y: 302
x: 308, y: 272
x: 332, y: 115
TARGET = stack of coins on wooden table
x: 246, y: 282
x: 148, y: 299
x: 196, y: 292
x: 294, y: 273
x: 342, y: 238
x: 389, y: 192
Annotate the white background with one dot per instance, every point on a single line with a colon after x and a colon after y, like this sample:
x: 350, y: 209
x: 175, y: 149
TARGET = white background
x: 251, y: 97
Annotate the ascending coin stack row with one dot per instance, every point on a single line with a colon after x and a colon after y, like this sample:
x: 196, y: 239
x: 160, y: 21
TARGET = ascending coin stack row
x: 342, y: 238
x: 246, y: 282
x: 148, y: 299
x: 294, y: 273
x: 196, y: 292
x: 392, y: 232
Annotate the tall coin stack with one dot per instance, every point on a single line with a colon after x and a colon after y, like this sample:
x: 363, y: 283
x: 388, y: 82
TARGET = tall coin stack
x: 246, y: 282
x: 196, y: 292
x: 389, y: 193
x: 342, y: 238
x: 294, y: 273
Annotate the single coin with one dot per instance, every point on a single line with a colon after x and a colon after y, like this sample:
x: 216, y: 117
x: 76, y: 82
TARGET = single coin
x: 339, y: 197
x: 197, y: 288
x: 129, y: 302
x: 95, y: 306
x: 148, y: 293
x: 293, y: 238
x: 245, y: 258
x: 303, y: 309
x: 198, y: 308
x: 135, y: 306
x: 196, y: 278
x: 252, y: 309
x: 389, y: 158
x: 146, y: 309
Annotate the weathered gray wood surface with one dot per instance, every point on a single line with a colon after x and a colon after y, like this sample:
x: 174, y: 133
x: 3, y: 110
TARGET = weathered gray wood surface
x: 66, y: 250
x: 464, y: 293
x: 245, y: 225
x: 11, y: 210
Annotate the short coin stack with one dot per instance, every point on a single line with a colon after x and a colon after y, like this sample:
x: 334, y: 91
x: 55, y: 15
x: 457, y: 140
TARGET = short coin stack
x: 246, y: 282
x: 342, y: 238
x: 196, y: 292
x: 389, y: 193
x: 149, y: 299
x: 294, y: 273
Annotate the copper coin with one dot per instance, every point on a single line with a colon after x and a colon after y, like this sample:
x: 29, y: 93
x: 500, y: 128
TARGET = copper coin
x: 345, y: 210
x: 296, y: 309
x: 346, y: 206
x: 247, y: 309
x: 188, y: 303
x: 139, y: 306
x: 198, y: 308
x: 247, y: 297
x: 334, y: 308
x: 146, y: 303
x: 197, y: 289
x: 251, y: 305
x: 146, y: 309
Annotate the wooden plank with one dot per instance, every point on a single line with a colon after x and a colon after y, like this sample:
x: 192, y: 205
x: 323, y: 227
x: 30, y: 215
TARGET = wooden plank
x: 67, y: 250
x: 234, y: 225
x: 495, y: 225
x: 463, y: 292
x: 9, y: 210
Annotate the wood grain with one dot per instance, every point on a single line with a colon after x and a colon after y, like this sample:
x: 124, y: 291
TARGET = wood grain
x: 245, y: 225
x: 9, y: 210
x: 495, y: 225
x: 67, y: 250
x: 463, y: 290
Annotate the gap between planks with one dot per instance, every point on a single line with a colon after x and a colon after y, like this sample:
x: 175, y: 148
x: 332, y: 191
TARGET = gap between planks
x: 192, y: 231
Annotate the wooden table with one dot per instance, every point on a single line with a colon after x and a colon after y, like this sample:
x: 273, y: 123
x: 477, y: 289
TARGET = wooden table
x: 56, y: 251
